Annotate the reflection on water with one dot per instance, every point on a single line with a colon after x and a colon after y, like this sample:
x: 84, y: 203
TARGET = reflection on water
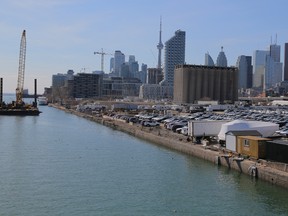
x: 60, y: 164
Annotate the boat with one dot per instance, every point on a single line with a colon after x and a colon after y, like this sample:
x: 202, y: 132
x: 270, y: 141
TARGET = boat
x: 42, y: 101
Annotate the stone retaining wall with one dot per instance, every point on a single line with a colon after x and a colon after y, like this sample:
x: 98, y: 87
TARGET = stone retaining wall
x: 253, y: 168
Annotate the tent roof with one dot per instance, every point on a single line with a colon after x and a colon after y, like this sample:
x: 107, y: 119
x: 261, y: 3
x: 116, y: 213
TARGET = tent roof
x: 244, y: 132
x: 246, y: 123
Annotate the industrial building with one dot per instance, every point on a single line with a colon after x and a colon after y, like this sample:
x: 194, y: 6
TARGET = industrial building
x: 86, y: 85
x: 198, y: 82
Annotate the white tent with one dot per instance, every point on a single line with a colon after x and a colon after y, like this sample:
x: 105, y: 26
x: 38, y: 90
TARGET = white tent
x: 265, y: 128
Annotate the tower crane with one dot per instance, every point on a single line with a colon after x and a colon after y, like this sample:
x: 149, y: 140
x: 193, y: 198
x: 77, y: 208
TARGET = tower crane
x: 102, y: 53
x: 21, y: 70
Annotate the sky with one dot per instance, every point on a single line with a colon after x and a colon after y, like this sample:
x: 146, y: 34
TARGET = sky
x: 64, y: 34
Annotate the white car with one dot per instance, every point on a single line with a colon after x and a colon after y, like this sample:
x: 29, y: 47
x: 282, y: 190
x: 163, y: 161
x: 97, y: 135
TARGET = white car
x: 283, y: 132
x: 150, y: 124
x: 182, y: 130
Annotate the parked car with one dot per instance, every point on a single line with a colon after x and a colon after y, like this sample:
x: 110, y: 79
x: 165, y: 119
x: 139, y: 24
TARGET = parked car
x: 183, y: 130
x: 283, y: 132
x: 133, y: 119
x: 150, y: 123
x: 177, y: 124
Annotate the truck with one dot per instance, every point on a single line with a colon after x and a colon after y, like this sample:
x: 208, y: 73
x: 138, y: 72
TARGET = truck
x: 204, y: 128
x: 124, y: 106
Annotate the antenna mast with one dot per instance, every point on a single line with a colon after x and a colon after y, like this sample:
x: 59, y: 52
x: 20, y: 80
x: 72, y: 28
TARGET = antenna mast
x: 160, y: 45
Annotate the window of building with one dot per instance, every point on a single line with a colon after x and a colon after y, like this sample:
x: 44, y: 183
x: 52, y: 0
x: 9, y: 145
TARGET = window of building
x: 246, y: 143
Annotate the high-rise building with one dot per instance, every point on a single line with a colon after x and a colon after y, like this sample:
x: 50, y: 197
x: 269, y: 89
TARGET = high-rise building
x: 142, y: 75
x: 111, y: 64
x: 133, y: 66
x: 208, y: 60
x: 275, y: 52
x: 174, y: 55
x: 259, y: 62
x: 273, y: 67
x: 131, y: 59
x: 250, y: 72
x: 124, y: 70
x: 286, y: 62
x: 119, y: 59
x: 245, y: 71
x: 195, y: 82
x: 221, y: 59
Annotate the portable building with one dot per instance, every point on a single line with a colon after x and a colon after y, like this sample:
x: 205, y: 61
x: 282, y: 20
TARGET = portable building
x: 252, y: 146
x: 231, y: 137
x: 277, y: 150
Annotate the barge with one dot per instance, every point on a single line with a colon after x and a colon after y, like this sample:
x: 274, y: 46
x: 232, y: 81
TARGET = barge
x: 20, y: 112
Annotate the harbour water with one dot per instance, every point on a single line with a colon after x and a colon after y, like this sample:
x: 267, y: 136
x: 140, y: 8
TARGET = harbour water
x: 61, y: 164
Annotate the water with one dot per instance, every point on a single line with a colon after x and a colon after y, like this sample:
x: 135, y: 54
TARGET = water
x: 61, y: 164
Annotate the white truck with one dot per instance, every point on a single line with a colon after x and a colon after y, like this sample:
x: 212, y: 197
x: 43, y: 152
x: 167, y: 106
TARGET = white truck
x: 204, y: 128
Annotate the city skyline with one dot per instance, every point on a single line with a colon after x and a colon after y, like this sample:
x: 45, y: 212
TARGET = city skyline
x: 64, y: 34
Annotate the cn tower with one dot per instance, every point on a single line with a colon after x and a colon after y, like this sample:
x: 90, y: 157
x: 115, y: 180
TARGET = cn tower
x: 160, y: 45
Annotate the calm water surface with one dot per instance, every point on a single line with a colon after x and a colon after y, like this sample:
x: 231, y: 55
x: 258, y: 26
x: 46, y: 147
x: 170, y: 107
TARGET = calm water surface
x: 60, y: 164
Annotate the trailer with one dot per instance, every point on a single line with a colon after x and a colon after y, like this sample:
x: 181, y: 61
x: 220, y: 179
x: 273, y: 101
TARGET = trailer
x: 124, y: 106
x: 205, y: 128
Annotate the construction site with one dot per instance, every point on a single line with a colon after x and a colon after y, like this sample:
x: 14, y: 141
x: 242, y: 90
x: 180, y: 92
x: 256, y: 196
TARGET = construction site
x: 19, y: 107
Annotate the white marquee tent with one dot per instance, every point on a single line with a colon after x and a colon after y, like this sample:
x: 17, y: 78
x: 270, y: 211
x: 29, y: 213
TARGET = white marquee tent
x: 265, y: 128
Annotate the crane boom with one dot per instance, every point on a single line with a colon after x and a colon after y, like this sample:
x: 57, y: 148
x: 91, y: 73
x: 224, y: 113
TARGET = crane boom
x: 102, y: 53
x: 21, y: 69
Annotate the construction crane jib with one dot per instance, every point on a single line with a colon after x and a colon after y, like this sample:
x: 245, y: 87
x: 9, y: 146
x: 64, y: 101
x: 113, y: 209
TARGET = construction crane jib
x: 102, y: 53
x: 21, y: 69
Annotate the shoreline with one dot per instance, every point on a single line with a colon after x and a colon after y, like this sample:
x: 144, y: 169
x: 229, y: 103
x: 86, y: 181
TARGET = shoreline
x: 163, y: 138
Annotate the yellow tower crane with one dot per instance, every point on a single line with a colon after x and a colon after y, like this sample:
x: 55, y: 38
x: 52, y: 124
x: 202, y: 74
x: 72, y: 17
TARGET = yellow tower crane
x: 102, y: 53
x: 21, y: 70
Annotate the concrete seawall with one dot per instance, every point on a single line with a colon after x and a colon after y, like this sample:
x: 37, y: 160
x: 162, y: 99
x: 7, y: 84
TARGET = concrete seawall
x: 255, y: 169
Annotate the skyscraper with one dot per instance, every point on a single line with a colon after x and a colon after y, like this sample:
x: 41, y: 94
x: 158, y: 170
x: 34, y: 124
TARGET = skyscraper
x: 221, y: 59
x: 250, y: 72
x: 259, y: 61
x: 241, y: 64
x: 273, y: 67
x: 111, y: 64
x: 286, y: 62
x: 174, y: 55
x: 275, y: 52
x: 119, y: 59
x: 208, y: 60
x: 245, y: 71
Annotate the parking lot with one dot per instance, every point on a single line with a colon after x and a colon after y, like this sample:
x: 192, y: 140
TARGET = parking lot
x: 178, y: 122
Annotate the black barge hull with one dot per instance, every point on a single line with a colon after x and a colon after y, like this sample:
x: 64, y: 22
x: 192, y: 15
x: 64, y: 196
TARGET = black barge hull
x: 19, y: 112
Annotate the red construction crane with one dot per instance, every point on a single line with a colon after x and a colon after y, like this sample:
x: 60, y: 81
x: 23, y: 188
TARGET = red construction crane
x: 21, y: 69
x: 102, y: 58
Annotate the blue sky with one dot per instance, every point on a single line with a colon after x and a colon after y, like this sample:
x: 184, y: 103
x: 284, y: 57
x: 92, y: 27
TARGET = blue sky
x: 64, y: 34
